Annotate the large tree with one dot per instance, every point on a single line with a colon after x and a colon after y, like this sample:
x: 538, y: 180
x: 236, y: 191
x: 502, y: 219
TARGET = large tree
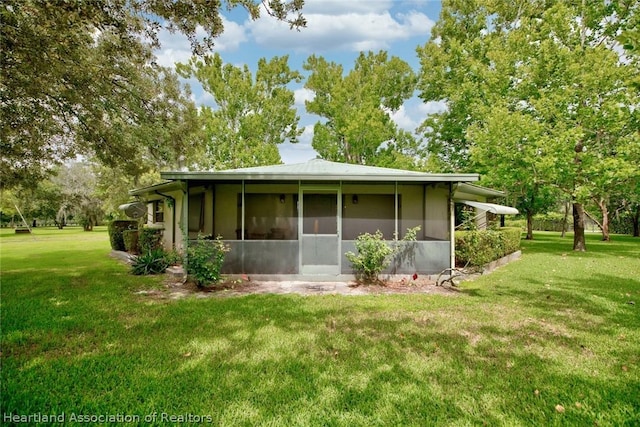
x: 503, y: 153
x: 76, y: 183
x: 357, y: 127
x: 551, y: 68
x: 77, y: 74
x: 251, y: 116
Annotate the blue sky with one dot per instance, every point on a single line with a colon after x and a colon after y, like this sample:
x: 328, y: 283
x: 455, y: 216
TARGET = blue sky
x: 337, y: 30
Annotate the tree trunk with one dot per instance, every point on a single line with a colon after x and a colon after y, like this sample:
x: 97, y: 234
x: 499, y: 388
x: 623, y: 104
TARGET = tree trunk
x: 529, y: 225
x: 635, y: 218
x: 579, y: 243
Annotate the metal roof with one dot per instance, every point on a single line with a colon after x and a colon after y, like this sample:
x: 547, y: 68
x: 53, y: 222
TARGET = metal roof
x: 476, y: 190
x: 320, y: 170
x: 492, y: 207
x: 162, y: 186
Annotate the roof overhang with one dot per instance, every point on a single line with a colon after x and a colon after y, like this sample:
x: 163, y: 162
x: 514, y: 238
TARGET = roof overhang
x: 492, y: 207
x: 476, y: 190
x: 319, y: 170
x: 238, y: 176
x: 156, y: 188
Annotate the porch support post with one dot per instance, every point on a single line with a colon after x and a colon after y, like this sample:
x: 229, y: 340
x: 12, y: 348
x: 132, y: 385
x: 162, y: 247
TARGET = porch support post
x: 452, y: 228
x: 185, y: 216
x: 397, y: 236
x: 242, y: 212
x: 300, y: 207
x: 339, y: 227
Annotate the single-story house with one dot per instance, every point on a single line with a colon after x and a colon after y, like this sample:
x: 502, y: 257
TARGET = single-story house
x: 301, y: 219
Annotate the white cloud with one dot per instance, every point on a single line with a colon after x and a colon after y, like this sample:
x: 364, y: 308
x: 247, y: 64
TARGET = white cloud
x: 351, y: 31
x: 338, y: 7
x: 403, y: 119
x: 301, y: 151
x: 176, y: 47
x: 432, y: 107
x: 301, y: 95
x: 205, y: 98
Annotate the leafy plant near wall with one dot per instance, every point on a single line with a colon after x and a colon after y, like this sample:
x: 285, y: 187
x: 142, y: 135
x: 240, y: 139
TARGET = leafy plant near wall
x: 375, y: 254
x: 130, y: 238
x: 205, y: 257
x: 149, y: 239
x: 154, y: 261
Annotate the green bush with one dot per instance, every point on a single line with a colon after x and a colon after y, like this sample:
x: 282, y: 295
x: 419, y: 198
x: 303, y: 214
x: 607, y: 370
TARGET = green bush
x: 151, y: 262
x: 480, y: 247
x: 205, y: 257
x: 519, y: 223
x: 551, y: 221
x: 130, y: 238
x: 511, y: 237
x: 174, y: 257
x: 621, y: 224
x: 115, y: 232
x: 375, y: 254
x: 149, y: 239
x: 372, y: 258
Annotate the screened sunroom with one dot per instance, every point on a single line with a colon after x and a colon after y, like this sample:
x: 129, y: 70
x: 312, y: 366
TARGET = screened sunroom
x: 301, y: 219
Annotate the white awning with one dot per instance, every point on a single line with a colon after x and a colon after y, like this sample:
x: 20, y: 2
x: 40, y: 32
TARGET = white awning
x: 492, y: 207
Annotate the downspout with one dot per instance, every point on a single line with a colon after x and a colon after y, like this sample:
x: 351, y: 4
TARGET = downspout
x: 173, y: 223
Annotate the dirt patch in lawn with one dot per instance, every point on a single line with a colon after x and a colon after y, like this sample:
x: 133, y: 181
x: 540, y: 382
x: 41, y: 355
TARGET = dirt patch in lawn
x: 175, y: 289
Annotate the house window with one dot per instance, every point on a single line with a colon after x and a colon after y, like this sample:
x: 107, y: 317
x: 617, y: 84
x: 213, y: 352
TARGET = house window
x: 158, y: 211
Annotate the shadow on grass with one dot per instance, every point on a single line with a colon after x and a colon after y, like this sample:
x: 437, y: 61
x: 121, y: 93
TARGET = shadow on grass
x: 288, y: 360
x: 553, y: 243
x: 76, y: 340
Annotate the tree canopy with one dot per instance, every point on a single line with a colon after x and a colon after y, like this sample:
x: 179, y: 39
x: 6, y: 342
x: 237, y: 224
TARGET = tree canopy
x: 79, y: 78
x: 537, y: 93
x: 252, y: 115
x: 357, y: 127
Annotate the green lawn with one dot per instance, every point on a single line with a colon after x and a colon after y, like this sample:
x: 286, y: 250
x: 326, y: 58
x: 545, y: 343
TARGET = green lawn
x: 554, y: 328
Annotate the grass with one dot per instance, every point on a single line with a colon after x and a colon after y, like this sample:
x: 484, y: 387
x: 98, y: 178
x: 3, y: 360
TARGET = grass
x: 555, y: 328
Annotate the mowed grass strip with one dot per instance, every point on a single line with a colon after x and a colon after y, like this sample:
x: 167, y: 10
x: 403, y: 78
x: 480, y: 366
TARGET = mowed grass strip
x: 552, y: 339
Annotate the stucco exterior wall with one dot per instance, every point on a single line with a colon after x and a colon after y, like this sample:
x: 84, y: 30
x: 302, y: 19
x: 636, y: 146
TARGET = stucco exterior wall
x: 171, y: 232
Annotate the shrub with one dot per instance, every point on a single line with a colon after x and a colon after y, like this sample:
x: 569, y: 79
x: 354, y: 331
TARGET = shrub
x: 115, y: 232
x: 205, y: 257
x: 480, y: 247
x: 150, y: 262
x: 511, y: 237
x: 621, y: 224
x: 149, y: 239
x: 375, y: 254
x: 372, y: 258
x: 174, y: 257
x: 130, y: 238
